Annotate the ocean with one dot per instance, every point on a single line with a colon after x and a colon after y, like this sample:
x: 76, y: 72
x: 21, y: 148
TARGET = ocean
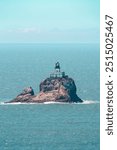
x: 50, y: 126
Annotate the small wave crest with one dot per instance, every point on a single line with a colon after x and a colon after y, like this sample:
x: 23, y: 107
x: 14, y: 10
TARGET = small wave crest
x: 16, y: 103
x: 51, y: 102
x: 90, y: 102
x: 2, y: 103
x: 84, y: 102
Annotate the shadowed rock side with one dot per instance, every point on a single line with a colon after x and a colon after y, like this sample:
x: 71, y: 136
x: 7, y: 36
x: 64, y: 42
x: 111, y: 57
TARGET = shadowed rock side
x: 56, y: 89
x: 26, y: 96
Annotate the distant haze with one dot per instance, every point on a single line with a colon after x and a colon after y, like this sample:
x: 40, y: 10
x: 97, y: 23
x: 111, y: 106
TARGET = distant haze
x: 49, y: 21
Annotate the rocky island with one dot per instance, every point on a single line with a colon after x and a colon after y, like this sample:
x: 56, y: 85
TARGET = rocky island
x: 56, y: 88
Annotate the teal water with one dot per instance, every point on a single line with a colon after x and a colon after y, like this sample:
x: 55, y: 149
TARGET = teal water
x: 49, y: 126
x: 23, y: 65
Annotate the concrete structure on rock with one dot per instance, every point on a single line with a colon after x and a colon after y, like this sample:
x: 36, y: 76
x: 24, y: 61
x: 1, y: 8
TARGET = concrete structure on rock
x: 57, y: 72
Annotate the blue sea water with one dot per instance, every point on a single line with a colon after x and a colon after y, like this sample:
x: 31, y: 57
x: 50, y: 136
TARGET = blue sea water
x: 49, y: 126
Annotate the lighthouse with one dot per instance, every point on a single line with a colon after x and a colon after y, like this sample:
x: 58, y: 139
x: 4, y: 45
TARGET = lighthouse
x: 57, y: 72
x: 57, y: 67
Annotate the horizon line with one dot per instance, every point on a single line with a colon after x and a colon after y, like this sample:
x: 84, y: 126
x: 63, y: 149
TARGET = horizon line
x: 49, y: 42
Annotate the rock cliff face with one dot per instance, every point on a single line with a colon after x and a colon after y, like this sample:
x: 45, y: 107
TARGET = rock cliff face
x: 26, y: 96
x: 56, y: 89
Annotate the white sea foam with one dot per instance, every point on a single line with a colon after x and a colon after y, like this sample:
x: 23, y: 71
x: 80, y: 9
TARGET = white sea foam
x: 1, y: 103
x: 51, y: 102
x: 90, y: 102
x: 16, y: 103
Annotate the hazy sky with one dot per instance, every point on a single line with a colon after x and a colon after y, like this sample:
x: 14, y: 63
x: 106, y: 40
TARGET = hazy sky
x: 49, y: 21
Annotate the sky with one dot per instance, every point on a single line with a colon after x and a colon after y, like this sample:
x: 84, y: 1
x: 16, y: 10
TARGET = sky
x: 49, y: 21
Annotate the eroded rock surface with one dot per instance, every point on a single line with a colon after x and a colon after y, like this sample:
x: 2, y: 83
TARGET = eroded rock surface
x: 26, y: 96
x: 56, y: 89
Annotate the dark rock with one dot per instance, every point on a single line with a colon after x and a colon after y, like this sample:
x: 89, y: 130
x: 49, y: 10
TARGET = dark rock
x: 63, y: 89
x: 56, y: 89
x: 26, y: 95
x: 28, y: 91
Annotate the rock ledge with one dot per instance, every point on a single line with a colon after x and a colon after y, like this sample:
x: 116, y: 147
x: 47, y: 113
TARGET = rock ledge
x: 56, y: 89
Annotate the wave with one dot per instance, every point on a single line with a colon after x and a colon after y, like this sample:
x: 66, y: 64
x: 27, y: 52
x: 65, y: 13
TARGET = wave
x: 84, y: 102
x: 51, y: 102
x: 90, y: 102
x: 17, y: 103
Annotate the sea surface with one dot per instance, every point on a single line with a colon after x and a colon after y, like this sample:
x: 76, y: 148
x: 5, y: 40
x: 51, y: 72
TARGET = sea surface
x: 49, y: 126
